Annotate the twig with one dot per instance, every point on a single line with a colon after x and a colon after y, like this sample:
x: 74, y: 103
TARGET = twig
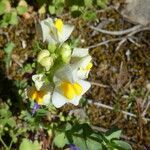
x: 145, y: 99
x: 145, y: 110
x: 100, y: 85
x: 120, y: 43
x: 105, y: 42
x: 99, y: 104
x: 131, y: 40
x: 129, y: 37
x: 117, y: 32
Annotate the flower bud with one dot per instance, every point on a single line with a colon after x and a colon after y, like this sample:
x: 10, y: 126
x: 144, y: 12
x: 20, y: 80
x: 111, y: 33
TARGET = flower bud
x: 47, y: 62
x: 52, y: 47
x: 65, y: 52
x: 42, y: 54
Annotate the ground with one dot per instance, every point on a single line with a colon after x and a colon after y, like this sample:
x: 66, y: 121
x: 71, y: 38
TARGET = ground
x: 119, y: 77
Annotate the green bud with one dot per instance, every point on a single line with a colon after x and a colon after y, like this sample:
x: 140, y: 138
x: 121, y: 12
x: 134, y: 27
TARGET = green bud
x: 52, y: 47
x: 47, y: 62
x: 65, y: 52
x: 54, y: 56
x: 50, y: 133
x: 5, y: 128
x: 62, y: 118
x: 42, y: 54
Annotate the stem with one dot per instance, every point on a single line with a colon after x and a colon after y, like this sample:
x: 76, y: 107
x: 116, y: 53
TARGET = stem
x: 10, y: 145
x: 6, y: 147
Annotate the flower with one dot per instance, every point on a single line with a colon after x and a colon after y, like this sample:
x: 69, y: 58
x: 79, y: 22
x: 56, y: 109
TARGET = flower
x: 45, y: 60
x: 65, y: 52
x: 55, y: 31
x: 81, y: 62
x: 38, y: 80
x: 35, y: 107
x: 73, y: 147
x: 40, y: 92
x: 68, y: 88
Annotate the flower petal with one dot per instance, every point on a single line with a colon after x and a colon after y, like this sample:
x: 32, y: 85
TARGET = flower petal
x: 47, y: 98
x: 66, y: 32
x: 45, y: 28
x: 80, y: 52
x: 80, y: 67
x: 64, y: 74
x: 38, y: 80
x: 85, y: 85
x: 58, y: 100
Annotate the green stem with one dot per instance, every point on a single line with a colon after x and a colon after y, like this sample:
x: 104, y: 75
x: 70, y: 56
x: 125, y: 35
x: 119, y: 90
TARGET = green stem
x: 10, y: 145
x: 6, y: 147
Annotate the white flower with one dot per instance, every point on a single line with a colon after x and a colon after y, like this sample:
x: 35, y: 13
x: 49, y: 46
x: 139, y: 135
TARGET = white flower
x: 68, y: 88
x: 40, y: 93
x: 81, y: 62
x: 38, y: 81
x: 80, y: 52
x: 55, y: 31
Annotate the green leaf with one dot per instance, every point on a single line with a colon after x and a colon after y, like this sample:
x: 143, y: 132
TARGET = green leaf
x: 80, y: 142
x: 2, y: 7
x: 75, y: 12
x: 113, y: 133
x: 13, y: 18
x: 51, y: 9
x: 9, y: 47
x: 89, y: 15
x: 102, y: 3
x: 123, y: 145
x: 21, y: 9
x: 88, y: 3
x: 28, y: 145
x: 59, y: 10
x: 93, y: 145
x: 75, y: 2
x: 11, y: 122
x: 60, y: 140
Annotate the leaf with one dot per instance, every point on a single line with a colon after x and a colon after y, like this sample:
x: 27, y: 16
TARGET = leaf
x: 113, y: 133
x: 89, y: 15
x: 21, y: 9
x: 102, y: 3
x: 88, y: 3
x: 2, y: 7
x: 123, y: 145
x: 75, y: 2
x: 9, y: 47
x: 28, y: 145
x: 60, y: 140
x: 93, y: 145
x: 80, y: 142
x: 51, y: 9
x: 11, y: 122
x: 13, y: 18
x: 75, y: 12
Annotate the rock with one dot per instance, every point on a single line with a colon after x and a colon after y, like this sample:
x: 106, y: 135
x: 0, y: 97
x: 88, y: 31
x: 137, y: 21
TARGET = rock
x: 137, y: 11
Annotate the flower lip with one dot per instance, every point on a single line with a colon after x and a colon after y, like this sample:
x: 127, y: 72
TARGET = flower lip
x: 59, y: 25
x: 70, y: 90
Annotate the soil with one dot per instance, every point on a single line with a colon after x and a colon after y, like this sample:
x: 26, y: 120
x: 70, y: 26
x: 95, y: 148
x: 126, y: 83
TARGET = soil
x: 125, y: 76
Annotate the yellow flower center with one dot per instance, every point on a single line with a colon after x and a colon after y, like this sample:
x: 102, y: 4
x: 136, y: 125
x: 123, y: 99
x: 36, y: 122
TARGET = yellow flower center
x: 59, y: 25
x: 37, y: 96
x: 70, y: 90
